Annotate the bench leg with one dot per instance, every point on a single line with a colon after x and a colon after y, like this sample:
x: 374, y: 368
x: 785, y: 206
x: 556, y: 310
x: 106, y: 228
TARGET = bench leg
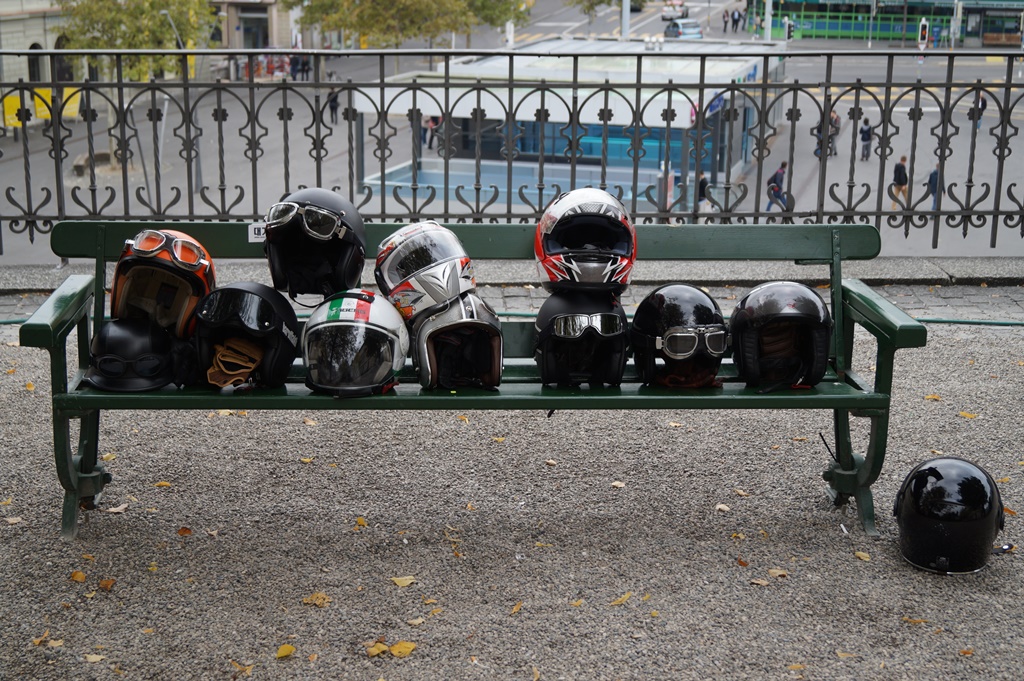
x: 852, y: 474
x: 80, y: 473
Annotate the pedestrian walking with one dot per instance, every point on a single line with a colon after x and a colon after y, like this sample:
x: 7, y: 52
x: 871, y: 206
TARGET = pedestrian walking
x: 935, y: 186
x: 834, y: 125
x: 332, y: 104
x: 735, y: 20
x: 702, y: 194
x: 980, y: 104
x: 304, y: 68
x: 725, y: 21
x: 435, y: 123
x: 899, y: 182
x: 865, y: 141
x: 775, y: 184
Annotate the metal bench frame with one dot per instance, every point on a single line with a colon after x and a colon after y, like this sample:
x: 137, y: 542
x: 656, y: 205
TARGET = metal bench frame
x: 79, y: 303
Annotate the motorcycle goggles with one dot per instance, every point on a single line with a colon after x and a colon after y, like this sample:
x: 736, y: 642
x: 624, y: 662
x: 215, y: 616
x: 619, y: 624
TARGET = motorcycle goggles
x: 349, y: 358
x: 317, y: 222
x: 146, y: 366
x: 683, y: 342
x: 184, y: 253
x: 575, y: 325
x: 226, y: 306
x: 420, y: 252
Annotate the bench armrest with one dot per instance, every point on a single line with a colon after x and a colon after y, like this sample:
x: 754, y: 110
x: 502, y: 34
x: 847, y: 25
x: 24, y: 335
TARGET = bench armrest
x: 51, y: 324
x: 884, y: 320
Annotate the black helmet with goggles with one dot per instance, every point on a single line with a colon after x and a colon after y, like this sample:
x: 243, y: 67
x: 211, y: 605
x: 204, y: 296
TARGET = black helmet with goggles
x: 130, y: 355
x: 581, y: 338
x: 246, y: 331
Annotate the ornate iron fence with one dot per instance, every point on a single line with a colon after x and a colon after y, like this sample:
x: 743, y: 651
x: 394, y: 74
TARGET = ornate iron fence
x: 495, y: 136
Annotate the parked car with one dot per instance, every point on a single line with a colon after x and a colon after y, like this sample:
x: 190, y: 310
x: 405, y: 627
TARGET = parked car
x: 684, y: 29
x: 673, y: 9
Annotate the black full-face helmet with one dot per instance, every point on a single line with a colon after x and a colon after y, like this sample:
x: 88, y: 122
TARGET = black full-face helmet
x: 460, y: 345
x: 949, y: 512
x: 678, y: 337
x: 315, y: 243
x: 130, y: 356
x: 581, y: 338
x: 260, y: 317
x: 780, y: 336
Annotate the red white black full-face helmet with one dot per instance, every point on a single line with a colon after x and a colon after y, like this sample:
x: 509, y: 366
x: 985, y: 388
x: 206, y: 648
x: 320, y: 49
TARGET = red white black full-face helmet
x: 585, y: 240
x: 354, y: 344
x: 422, y: 268
x: 678, y: 337
x: 160, y: 276
x: 460, y: 345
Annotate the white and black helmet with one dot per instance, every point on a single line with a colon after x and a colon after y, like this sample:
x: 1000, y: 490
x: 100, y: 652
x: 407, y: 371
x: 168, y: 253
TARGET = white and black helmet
x: 460, y: 345
x: 354, y: 344
x: 423, y: 267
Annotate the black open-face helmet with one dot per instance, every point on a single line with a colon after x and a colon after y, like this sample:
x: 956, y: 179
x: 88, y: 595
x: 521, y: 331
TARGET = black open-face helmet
x: 315, y: 243
x: 255, y: 313
x: 581, y: 338
x: 949, y: 512
x: 780, y: 336
x: 678, y: 337
x: 460, y: 345
x: 130, y: 356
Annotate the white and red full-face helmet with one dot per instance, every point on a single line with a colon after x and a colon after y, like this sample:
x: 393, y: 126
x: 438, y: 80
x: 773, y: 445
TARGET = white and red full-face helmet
x: 423, y: 267
x: 585, y: 241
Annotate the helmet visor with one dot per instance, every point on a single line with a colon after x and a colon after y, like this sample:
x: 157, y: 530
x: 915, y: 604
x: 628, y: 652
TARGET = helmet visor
x: 224, y: 306
x: 589, y: 234
x: 574, y: 325
x: 419, y: 252
x: 342, y: 356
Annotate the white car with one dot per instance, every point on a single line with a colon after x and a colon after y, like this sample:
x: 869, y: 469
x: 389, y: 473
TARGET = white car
x: 674, y: 10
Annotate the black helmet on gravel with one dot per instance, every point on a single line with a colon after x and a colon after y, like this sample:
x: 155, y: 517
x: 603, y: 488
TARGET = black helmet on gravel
x: 678, y: 337
x: 949, y: 512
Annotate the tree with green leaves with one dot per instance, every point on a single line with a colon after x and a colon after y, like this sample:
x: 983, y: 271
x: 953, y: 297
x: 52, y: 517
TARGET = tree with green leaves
x: 389, y: 24
x: 136, y: 25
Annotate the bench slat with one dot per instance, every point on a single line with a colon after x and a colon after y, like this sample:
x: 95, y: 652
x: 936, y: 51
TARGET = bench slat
x: 83, y: 239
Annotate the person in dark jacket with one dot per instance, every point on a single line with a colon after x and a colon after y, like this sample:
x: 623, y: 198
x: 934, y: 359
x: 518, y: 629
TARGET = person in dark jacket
x: 865, y: 141
x: 935, y: 186
x: 775, y: 184
x: 899, y: 182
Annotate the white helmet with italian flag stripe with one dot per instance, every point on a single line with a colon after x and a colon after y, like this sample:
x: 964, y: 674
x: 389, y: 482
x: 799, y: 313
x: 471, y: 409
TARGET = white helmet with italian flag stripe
x: 354, y: 344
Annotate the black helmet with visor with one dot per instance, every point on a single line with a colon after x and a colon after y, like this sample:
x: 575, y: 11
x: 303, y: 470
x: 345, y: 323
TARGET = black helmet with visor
x: 581, y: 338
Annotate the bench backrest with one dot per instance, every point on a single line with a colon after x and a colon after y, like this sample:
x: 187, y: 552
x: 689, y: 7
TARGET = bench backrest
x: 103, y: 240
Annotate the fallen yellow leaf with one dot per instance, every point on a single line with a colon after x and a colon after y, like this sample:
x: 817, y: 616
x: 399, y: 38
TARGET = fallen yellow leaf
x: 162, y: 483
x: 245, y: 669
x: 313, y: 657
x: 309, y: 421
x: 646, y: 598
x: 402, y: 648
x: 551, y: 462
x: 37, y: 641
x: 674, y: 424
x: 184, y: 532
x: 361, y: 521
x: 78, y: 576
x: 148, y: 630
x: 763, y: 534
x: 403, y: 581
x: 118, y: 509
x: 777, y: 573
x: 109, y: 456
x: 416, y: 622
x: 463, y: 418
x: 862, y: 555
x: 30, y: 386
x: 799, y: 439
x: 470, y: 506
x: 319, y: 599
x: 11, y: 371
x: 967, y: 651
x: 933, y: 397
x: 741, y: 562
x: 428, y: 601
x: 13, y: 520
x: 8, y: 500
x: 841, y: 654
x: 152, y: 567
x: 1002, y: 480
x: 1009, y: 511
x: 107, y: 584
x: 376, y: 649
x: 536, y: 674
x: 516, y: 608
x: 55, y: 643
x: 795, y: 667
x: 760, y: 582
x: 89, y: 657
x: 618, y: 484
x: 577, y: 603
x: 90, y: 594
x: 741, y: 493
x: 654, y: 613
x: 968, y: 415
x: 435, y: 611
x: 498, y: 439
x: 722, y: 508
x: 285, y: 650
x: 306, y: 459
x: 622, y: 599
x: 914, y: 621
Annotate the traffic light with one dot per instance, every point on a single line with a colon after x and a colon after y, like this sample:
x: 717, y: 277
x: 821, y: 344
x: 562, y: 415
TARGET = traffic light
x: 922, y: 34
x: 789, y: 29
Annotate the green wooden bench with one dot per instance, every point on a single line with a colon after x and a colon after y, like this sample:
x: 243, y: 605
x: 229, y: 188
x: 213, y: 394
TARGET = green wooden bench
x: 78, y: 304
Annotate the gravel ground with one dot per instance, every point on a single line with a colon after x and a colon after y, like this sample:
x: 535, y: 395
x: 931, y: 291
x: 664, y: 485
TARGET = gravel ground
x: 517, y: 563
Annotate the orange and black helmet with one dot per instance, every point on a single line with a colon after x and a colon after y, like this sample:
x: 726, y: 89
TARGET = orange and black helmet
x: 160, y: 276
